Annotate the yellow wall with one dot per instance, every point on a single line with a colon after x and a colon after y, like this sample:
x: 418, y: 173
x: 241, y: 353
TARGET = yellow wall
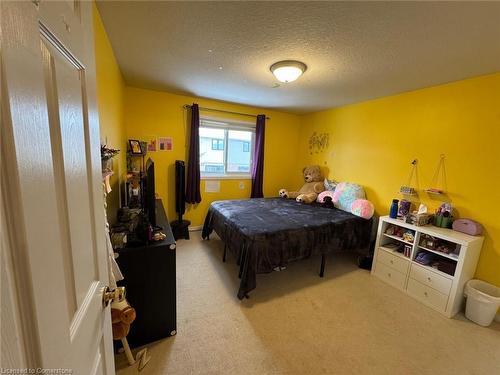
x: 373, y: 143
x: 110, y: 100
x: 127, y: 112
x: 153, y: 114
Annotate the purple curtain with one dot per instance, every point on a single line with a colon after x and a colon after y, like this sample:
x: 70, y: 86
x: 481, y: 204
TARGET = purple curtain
x: 258, y: 158
x: 193, y: 173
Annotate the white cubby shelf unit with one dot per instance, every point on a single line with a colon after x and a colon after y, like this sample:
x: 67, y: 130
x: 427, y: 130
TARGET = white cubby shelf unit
x: 442, y: 290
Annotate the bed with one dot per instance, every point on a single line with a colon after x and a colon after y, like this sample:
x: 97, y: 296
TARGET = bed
x: 266, y: 233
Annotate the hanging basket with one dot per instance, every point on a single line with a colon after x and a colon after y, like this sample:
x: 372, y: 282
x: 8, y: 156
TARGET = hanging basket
x: 440, y: 171
x: 408, y: 189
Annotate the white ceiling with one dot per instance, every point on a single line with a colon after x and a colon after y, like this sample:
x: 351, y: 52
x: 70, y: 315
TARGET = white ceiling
x: 354, y: 50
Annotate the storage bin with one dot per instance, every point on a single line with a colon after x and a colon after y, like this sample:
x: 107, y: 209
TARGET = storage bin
x: 483, y: 300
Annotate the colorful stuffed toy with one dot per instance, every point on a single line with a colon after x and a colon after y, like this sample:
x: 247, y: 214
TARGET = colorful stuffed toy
x: 330, y: 184
x: 323, y: 195
x: 345, y: 194
x: 362, y: 208
x: 310, y: 190
x: 327, y: 202
x: 359, y: 207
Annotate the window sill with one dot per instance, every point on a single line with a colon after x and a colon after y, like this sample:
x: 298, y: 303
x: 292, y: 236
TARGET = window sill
x: 228, y: 177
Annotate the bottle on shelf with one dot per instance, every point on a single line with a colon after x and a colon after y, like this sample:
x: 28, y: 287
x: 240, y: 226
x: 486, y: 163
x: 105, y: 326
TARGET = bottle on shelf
x: 393, y: 213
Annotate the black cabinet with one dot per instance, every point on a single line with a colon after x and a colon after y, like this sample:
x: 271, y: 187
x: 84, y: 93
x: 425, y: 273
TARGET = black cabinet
x: 149, y: 280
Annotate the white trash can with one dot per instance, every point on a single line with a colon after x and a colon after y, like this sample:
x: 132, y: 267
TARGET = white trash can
x: 483, y: 301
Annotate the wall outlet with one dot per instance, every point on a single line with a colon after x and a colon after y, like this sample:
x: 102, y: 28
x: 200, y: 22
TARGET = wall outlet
x: 212, y: 186
x: 242, y: 185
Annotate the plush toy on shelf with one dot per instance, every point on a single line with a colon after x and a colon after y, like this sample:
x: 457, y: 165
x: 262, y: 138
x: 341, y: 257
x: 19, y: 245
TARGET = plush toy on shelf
x: 310, y: 190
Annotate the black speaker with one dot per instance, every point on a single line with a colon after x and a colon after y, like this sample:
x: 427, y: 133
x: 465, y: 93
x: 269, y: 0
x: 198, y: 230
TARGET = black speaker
x: 180, y: 228
x: 180, y: 188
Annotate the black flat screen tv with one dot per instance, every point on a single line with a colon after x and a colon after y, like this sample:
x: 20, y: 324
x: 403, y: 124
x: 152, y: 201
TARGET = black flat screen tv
x: 150, y: 195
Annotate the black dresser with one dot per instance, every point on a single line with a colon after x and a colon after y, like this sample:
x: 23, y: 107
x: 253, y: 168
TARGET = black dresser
x: 149, y: 280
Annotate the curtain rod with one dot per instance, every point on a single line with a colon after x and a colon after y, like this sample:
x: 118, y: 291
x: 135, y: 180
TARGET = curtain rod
x: 186, y: 106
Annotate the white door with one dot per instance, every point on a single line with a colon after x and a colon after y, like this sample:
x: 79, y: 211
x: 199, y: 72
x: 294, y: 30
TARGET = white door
x: 53, y: 199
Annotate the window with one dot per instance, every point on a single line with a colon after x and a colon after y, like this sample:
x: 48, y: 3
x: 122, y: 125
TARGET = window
x: 225, y: 148
x: 217, y: 144
x: 214, y: 168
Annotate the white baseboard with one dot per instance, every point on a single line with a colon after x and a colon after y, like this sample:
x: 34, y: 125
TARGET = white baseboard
x: 194, y: 228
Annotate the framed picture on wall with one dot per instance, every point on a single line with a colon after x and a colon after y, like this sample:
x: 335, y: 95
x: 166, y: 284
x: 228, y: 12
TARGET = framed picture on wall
x: 151, y: 144
x: 165, y: 143
x: 135, y: 147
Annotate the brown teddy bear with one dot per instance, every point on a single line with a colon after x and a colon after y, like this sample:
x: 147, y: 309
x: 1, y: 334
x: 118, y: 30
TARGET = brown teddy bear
x: 310, y: 190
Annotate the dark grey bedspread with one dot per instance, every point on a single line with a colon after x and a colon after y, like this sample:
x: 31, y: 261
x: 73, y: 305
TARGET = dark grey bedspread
x: 270, y: 232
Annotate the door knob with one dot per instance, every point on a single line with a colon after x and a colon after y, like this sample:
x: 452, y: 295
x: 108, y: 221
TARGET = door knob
x: 109, y: 295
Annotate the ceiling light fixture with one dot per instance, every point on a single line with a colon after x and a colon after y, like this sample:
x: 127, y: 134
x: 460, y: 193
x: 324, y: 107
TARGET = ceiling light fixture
x: 288, y: 70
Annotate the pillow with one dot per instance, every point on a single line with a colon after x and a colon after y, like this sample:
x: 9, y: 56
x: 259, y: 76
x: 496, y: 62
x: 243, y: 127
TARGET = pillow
x: 330, y: 184
x: 362, y: 208
x: 323, y: 194
x: 346, y: 193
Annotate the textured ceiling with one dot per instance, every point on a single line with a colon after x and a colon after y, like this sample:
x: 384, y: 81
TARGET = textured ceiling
x: 354, y: 50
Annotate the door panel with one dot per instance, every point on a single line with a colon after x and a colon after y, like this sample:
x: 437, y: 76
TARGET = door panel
x: 66, y: 107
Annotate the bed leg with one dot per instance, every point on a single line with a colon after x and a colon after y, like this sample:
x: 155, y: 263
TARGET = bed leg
x: 224, y: 254
x: 242, y: 262
x: 240, y: 258
x: 242, y: 296
x: 243, y: 271
x: 322, y: 269
x: 245, y: 264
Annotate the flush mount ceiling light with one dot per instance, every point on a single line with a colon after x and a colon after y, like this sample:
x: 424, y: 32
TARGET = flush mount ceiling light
x: 288, y: 70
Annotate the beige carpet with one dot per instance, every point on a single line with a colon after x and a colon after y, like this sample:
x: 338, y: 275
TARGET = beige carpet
x: 297, y: 323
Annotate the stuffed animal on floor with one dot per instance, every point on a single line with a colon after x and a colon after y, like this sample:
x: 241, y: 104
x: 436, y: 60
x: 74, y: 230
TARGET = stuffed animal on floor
x: 310, y: 190
x: 122, y: 316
